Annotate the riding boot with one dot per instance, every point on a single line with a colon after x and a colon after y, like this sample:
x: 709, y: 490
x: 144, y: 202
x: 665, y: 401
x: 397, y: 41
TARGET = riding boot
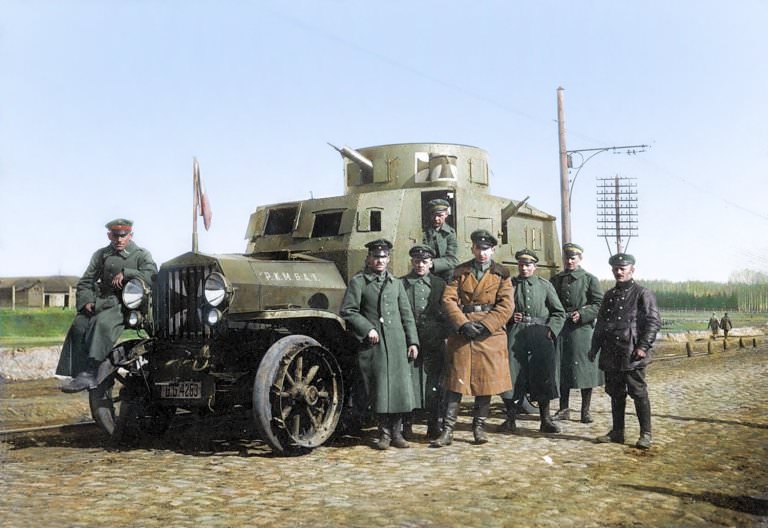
x: 85, y: 379
x: 385, y: 432
x: 547, y: 425
x: 433, y: 426
x: 482, y: 409
x: 586, y: 400
x: 451, y: 414
x: 509, y: 425
x: 563, y: 413
x: 616, y: 434
x: 397, y: 432
x: 407, y: 420
x: 643, y: 410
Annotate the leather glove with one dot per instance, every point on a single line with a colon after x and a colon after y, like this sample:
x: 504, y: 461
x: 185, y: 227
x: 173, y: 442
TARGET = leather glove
x: 482, y: 331
x: 469, y: 331
x: 592, y: 354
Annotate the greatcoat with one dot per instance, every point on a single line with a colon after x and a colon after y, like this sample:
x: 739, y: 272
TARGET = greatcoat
x: 579, y: 291
x: 445, y: 244
x: 379, y: 302
x: 478, y: 367
x: 425, y: 295
x: 93, y: 336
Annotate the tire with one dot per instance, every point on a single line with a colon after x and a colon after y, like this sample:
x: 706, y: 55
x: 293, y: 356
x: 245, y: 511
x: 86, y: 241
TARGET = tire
x: 297, y: 395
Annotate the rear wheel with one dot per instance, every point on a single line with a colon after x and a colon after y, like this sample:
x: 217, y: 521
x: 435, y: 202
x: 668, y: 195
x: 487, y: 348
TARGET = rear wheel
x: 297, y: 395
x: 122, y: 404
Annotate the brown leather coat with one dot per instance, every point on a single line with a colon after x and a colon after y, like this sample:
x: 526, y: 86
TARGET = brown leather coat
x: 479, y: 367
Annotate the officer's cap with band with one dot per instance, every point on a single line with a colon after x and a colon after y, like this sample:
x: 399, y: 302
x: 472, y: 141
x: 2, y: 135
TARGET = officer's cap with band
x: 379, y: 248
x: 120, y: 226
x: 526, y: 256
x: 483, y: 239
x: 621, y: 259
x: 437, y: 205
x: 571, y: 249
x: 421, y: 252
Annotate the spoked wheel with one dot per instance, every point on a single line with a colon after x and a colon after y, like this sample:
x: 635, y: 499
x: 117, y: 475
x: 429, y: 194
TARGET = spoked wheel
x: 122, y: 405
x: 297, y: 395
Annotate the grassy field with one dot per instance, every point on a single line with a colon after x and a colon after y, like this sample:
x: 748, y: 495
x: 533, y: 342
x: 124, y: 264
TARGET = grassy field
x: 684, y: 321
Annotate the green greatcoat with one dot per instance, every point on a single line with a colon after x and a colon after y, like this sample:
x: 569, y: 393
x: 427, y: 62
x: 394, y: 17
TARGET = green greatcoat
x: 93, y: 336
x: 578, y: 291
x: 379, y: 302
x: 535, y: 297
x: 425, y: 296
x: 446, y: 246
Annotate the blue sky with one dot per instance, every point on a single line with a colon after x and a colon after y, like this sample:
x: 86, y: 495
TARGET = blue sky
x: 103, y: 106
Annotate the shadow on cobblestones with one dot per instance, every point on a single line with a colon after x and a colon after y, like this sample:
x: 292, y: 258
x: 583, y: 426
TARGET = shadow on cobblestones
x: 711, y: 420
x: 741, y: 503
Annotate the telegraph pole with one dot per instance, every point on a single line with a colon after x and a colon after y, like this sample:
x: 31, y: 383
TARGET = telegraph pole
x: 565, y: 192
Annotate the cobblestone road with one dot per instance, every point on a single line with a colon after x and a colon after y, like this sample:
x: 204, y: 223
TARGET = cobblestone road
x: 707, y: 468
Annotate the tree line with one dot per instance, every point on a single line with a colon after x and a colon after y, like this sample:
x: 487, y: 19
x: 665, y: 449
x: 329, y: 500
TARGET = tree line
x: 711, y: 296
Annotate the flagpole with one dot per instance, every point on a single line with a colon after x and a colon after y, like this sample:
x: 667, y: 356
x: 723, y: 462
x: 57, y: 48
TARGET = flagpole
x: 195, y: 202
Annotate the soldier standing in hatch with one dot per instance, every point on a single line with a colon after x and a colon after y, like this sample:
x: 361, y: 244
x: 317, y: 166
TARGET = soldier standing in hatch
x: 425, y: 293
x: 376, y: 308
x: 477, y: 303
x: 726, y: 325
x: 100, y: 320
x: 581, y: 296
x: 532, y: 331
x: 713, y: 325
x: 626, y: 329
x: 441, y: 237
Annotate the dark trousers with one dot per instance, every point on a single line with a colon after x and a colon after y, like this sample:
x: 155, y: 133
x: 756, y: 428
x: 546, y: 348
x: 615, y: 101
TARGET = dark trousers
x: 619, y: 384
x: 537, y: 355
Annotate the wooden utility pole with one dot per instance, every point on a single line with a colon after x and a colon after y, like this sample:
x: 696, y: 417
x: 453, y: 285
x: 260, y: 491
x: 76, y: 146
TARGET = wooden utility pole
x: 565, y: 206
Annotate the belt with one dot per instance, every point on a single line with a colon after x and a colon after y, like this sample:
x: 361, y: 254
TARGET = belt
x: 469, y: 308
x: 618, y: 326
x: 530, y: 320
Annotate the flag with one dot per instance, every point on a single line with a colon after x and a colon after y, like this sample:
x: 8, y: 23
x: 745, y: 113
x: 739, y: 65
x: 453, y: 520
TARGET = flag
x: 202, y: 196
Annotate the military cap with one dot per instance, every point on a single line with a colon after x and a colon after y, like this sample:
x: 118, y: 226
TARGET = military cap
x: 621, y: 259
x: 483, y: 238
x: 526, y: 255
x: 438, y: 204
x: 379, y: 248
x: 572, y: 249
x: 421, y: 252
x: 120, y: 226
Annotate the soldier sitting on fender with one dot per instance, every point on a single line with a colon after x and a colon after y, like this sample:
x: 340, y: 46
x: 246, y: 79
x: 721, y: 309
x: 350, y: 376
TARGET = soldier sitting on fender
x: 533, y: 328
x: 100, y: 321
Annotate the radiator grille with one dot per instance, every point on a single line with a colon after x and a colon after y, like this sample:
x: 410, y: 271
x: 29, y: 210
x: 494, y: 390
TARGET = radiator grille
x: 180, y: 302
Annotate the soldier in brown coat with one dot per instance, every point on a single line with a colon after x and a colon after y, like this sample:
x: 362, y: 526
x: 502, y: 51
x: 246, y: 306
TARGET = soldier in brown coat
x: 477, y: 303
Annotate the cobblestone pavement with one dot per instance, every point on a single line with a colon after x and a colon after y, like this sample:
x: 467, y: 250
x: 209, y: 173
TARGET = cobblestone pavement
x: 707, y: 468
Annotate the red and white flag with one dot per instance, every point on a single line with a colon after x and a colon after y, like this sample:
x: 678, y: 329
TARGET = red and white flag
x: 202, y: 196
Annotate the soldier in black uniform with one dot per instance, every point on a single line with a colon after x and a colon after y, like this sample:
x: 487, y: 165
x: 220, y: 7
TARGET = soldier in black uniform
x: 626, y: 329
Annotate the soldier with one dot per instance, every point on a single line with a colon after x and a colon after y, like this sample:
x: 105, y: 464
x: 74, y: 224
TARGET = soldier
x: 533, y: 329
x: 441, y: 237
x: 425, y: 293
x: 99, y: 321
x: 376, y: 308
x: 581, y: 296
x: 626, y: 329
x: 726, y: 325
x: 714, y: 325
x: 477, y: 303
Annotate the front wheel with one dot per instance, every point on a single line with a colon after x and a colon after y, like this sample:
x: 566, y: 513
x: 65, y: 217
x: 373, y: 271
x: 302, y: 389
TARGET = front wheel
x: 122, y: 403
x: 297, y: 395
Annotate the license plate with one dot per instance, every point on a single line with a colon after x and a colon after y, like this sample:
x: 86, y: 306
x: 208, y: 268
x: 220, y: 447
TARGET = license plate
x: 183, y: 390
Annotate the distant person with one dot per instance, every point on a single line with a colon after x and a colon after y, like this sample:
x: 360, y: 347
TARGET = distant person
x: 441, y: 237
x: 626, y: 329
x: 425, y: 293
x: 532, y: 330
x: 377, y: 312
x: 714, y: 325
x: 726, y: 324
x: 100, y: 321
x: 477, y: 303
x: 581, y: 296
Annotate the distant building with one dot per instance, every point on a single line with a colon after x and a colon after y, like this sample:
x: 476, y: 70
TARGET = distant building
x: 38, y: 292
